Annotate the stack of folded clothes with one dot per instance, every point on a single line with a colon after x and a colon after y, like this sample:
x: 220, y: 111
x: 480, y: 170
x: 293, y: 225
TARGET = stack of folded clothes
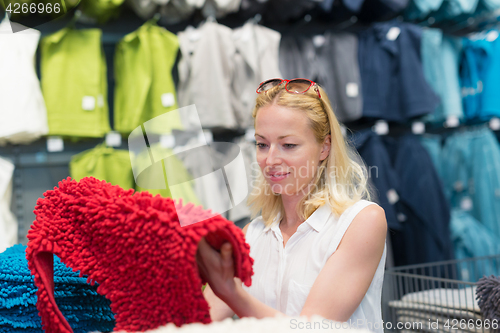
x: 441, y: 310
x: 80, y: 303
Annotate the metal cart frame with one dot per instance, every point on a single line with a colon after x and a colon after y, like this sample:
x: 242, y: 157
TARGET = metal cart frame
x: 437, y: 297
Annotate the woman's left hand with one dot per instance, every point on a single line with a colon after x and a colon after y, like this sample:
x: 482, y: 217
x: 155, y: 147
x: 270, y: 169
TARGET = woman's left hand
x: 217, y: 268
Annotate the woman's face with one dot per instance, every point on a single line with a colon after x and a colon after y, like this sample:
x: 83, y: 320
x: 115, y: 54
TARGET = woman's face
x: 287, y: 151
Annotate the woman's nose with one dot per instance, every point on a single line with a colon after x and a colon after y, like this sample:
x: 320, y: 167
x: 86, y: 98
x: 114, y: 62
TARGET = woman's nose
x: 273, y: 156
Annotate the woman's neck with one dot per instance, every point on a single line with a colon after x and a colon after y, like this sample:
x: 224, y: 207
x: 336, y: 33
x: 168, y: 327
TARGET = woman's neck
x: 291, y: 218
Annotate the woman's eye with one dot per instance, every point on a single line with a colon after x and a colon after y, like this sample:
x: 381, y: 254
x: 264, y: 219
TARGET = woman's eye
x: 289, y: 145
x: 260, y: 145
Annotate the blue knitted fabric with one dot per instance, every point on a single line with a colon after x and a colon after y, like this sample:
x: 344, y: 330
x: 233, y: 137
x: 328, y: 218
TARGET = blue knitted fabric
x: 78, y: 301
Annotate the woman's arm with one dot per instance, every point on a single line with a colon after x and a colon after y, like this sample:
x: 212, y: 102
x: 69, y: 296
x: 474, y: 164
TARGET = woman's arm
x: 337, y: 291
x: 344, y: 280
x: 246, y: 305
x: 218, y: 309
x: 226, y: 295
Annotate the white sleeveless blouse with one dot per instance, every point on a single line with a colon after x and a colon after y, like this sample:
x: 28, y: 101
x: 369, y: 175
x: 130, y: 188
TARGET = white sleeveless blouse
x: 283, y: 277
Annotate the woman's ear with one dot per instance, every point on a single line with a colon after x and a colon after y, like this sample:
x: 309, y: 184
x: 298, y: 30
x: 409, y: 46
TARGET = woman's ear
x: 325, y: 151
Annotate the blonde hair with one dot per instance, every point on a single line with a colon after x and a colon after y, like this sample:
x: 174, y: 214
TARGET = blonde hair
x: 341, y: 178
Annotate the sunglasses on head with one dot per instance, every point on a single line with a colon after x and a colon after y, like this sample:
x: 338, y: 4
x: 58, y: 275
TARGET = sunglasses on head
x: 294, y: 86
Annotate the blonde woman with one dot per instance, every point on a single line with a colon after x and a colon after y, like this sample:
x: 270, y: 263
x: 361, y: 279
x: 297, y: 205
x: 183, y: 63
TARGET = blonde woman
x: 319, y: 243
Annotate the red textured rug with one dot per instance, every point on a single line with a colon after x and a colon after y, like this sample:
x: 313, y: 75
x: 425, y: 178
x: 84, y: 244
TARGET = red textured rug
x: 133, y: 246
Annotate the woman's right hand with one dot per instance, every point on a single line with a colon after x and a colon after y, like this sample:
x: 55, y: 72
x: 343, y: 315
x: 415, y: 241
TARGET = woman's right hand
x: 217, y: 268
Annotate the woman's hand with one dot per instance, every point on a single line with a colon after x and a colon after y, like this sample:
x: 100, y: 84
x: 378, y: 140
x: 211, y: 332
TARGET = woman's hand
x: 217, y: 268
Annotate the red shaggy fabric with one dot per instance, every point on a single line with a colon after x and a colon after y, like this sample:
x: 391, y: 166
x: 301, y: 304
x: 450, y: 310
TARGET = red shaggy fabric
x: 133, y: 246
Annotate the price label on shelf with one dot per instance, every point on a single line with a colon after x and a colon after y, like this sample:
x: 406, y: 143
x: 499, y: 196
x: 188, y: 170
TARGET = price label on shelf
x: 167, y: 141
x: 392, y: 196
x: 495, y: 124
x: 319, y: 40
x: 418, y: 127
x: 206, y: 136
x: 167, y: 99
x: 452, y: 121
x: 492, y: 36
x: 352, y: 89
x: 55, y: 144
x: 381, y: 127
x: 113, y: 139
x: 393, y: 33
x: 250, y: 134
x: 466, y: 204
x: 88, y: 103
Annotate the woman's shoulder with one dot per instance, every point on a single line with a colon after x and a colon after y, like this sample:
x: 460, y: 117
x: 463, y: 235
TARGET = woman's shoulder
x: 366, y: 213
x: 360, y: 210
x: 359, y: 205
x: 365, y: 202
x: 363, y: 218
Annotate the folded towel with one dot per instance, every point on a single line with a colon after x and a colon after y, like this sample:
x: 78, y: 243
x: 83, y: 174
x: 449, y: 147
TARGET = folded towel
x: 133, y: 245
x: 80, y: 303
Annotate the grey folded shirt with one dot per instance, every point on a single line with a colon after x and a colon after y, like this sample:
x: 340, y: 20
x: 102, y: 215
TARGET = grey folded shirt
x: 331, y: 60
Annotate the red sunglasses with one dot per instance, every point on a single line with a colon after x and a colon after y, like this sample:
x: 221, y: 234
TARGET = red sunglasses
x: 294, y: 86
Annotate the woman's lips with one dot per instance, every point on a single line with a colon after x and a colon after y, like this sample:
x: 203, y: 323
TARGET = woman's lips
x: 278, y: 176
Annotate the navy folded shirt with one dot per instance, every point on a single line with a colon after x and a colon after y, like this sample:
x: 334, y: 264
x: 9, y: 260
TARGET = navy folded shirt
x: 393, y: 83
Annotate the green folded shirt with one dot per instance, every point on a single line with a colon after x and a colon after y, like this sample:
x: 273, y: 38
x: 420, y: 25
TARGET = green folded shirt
x: 103, y: 163
x: 144, y: 87
x: 156, y: 180
x: 74, y: 86
x: 101, y: 10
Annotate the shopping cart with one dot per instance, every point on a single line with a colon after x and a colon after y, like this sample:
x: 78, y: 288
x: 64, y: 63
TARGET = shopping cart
x: 437, y: 297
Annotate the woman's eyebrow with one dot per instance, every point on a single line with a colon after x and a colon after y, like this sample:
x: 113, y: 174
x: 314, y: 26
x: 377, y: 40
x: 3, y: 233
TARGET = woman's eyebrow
x: 279, y: 137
